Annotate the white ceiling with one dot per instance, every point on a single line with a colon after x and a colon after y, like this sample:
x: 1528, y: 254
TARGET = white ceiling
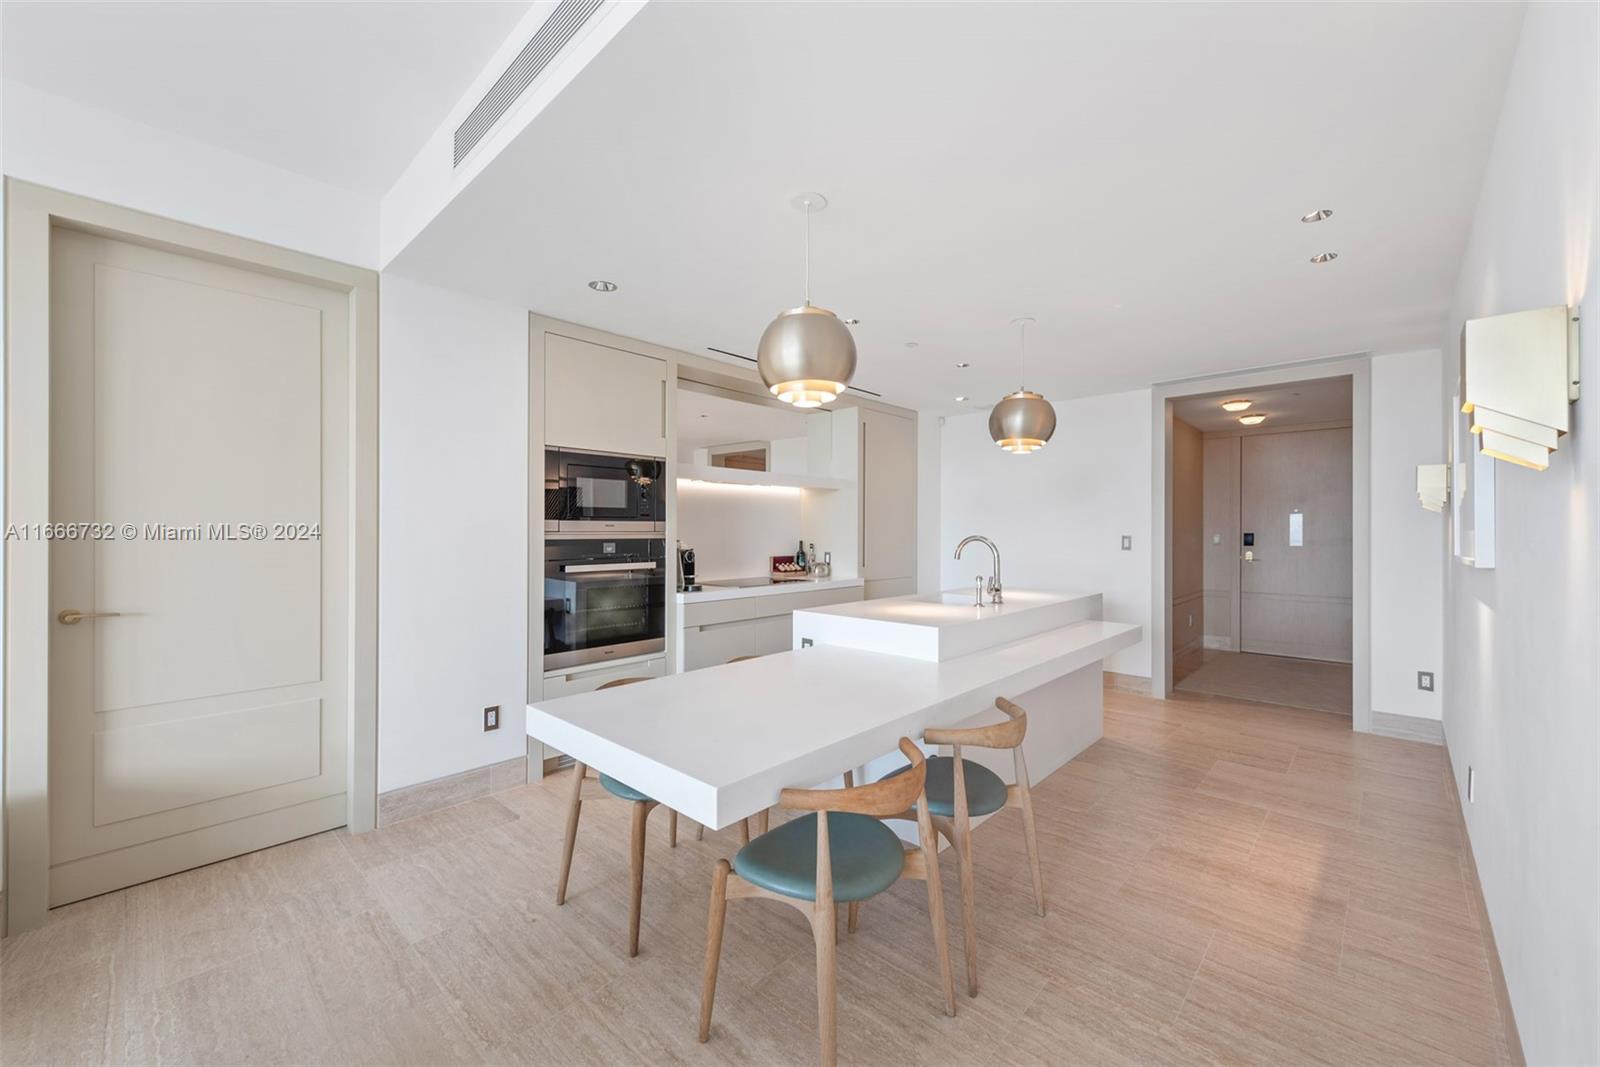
x: 1130, y: 175
x: 343, y: 92
x: 705, y: 420
x: 1285, y: 405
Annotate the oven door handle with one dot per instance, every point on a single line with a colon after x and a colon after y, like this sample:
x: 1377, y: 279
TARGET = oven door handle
x: 607, y: 568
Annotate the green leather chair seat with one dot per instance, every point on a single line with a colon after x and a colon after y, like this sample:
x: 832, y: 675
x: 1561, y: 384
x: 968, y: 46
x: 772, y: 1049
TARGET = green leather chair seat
x: 986, y: 791
x: 618, y: 789
x: 867, y: 857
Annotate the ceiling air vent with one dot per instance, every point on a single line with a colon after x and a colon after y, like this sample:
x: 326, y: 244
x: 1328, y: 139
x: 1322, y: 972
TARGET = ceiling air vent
x: 556, y: 31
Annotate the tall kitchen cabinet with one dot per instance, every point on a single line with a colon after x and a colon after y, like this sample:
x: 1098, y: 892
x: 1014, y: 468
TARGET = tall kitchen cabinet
x: 603, y: 399
x: 888, y: 488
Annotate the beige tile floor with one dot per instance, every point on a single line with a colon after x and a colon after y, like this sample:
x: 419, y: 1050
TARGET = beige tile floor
x: 1228, y: 883
x: 1313, y: 684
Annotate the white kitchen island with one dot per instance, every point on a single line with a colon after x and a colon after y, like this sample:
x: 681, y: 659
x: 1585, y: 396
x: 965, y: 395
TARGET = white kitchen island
x: 719, y: 744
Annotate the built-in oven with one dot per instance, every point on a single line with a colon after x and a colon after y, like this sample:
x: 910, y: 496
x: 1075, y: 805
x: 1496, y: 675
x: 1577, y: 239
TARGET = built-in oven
x: 592, y: 492
x: 604, y: 598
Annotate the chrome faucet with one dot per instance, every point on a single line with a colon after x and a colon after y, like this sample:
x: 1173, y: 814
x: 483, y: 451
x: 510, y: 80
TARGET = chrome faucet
x: 996, y: 595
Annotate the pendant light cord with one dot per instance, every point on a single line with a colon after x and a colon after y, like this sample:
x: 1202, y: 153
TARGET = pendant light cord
x: 1022, y: 356
x: 808, y: 252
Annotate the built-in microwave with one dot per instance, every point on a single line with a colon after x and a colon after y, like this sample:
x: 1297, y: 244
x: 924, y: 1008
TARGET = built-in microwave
x: 604, y: 599
x: 593, y: 492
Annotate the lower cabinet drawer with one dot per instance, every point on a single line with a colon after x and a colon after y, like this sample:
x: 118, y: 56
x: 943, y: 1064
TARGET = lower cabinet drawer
x: 584, y: 681
x: 707, y: 646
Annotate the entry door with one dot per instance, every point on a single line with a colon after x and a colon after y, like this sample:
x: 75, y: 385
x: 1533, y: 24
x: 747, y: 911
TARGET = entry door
x: 197, y: 671
x: 1295, y: 600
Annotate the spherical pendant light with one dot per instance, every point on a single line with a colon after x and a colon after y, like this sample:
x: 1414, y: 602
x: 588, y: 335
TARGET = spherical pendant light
x: 1024, y: 420
x: 806, y: 355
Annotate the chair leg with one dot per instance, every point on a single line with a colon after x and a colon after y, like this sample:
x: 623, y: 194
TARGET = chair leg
x: 855, y: 913
x: 824, y: 929
x: 714, y: 924
x: 969, y: 903
x: 672, y: 829
x: 574, y: 805
x: 699, y: 832
x: 641, y: 812
x: 941, y: 942
x: 1029, y: 834
x: 744, y: 831
x: 765, y: 819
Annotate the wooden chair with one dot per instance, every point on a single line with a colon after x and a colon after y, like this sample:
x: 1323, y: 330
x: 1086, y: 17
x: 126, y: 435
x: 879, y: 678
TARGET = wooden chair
x: 642, y: 807
x: 958, y: 789
x: 840, y: 853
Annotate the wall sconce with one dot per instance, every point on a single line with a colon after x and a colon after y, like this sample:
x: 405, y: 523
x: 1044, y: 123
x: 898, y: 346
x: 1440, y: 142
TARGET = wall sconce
x: 1519, y: 377
x: 1433, y: 485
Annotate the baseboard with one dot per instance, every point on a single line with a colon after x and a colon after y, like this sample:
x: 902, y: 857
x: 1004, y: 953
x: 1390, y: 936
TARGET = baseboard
x: 1217, y: 644
x: 1469, y: 868
x: 1408, y: 727
x: 1127, y: 683
x: 409, y: 801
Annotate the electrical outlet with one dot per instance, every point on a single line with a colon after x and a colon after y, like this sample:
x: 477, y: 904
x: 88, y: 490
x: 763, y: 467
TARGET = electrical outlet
x: 491, y: 718
x: 1127, y: 542
x: 1425, y: 681
x: 1472, y: 785
x: 1216, y: 539
x: 805, y: 642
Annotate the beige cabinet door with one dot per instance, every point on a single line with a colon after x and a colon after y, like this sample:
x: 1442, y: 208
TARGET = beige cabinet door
x: 1295, y: 599
x: 888, y: 496
x: 603, y: 399
x: 199, y: 412
x: 716, y: 643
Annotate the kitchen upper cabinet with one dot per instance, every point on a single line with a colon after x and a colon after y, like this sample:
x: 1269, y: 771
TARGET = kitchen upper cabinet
x: 888, y: 497
x: 603, y: 399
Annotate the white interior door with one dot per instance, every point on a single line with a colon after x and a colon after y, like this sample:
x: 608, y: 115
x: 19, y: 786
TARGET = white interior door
x: 199, y: 414
x: 1295, y: 598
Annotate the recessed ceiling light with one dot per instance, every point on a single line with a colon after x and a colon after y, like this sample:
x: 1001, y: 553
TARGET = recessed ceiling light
x: 600, y: 285
x: 961, y: 400
x: 962, y: 366
x: 1317, y: 215
x: 1252, y: 420
x: 911, y: 344
x: 1235, y: 405
x: 1324, y: 257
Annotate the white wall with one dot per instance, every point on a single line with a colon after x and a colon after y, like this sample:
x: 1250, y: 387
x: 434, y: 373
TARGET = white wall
x: 66, y: 145
x: 1407, y: 581
x: 453, y: 532
x: 733, y: 529
x: 931, y: 549
x: 1058, y: 515
x: 1520, y: 650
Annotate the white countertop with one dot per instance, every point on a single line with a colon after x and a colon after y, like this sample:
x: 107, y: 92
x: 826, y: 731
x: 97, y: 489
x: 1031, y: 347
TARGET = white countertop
x: 719, y: 744
x: 805, y: 585
x: 942, y: 626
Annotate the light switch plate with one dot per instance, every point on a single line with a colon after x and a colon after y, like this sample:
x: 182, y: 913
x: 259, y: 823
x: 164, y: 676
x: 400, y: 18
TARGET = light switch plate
x: 1425, y: 681
x: 491, y: 718
x: 1127, y: 542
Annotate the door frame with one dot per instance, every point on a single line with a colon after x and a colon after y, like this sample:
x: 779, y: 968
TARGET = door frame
x: 1358, y: 369
x: 32, y: 211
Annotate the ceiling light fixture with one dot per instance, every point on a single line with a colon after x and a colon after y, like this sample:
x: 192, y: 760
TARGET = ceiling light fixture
x: 1024, y: 420
x: 1235, y: 405
x: 1252, y: 420
x: 962, y: 366
x: 1317, y: 215
x: 852, y: 322
x: 961, y: 400
x: 911, y: 344
x: 806, y: 355
x: 1324, y: 257
x: 600, y: 285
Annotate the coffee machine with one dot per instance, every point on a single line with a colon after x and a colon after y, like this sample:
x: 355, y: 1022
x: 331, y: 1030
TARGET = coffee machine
x: 686, y: 582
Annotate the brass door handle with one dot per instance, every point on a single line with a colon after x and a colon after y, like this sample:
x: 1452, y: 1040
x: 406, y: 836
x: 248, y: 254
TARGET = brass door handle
x: 70, y: 617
